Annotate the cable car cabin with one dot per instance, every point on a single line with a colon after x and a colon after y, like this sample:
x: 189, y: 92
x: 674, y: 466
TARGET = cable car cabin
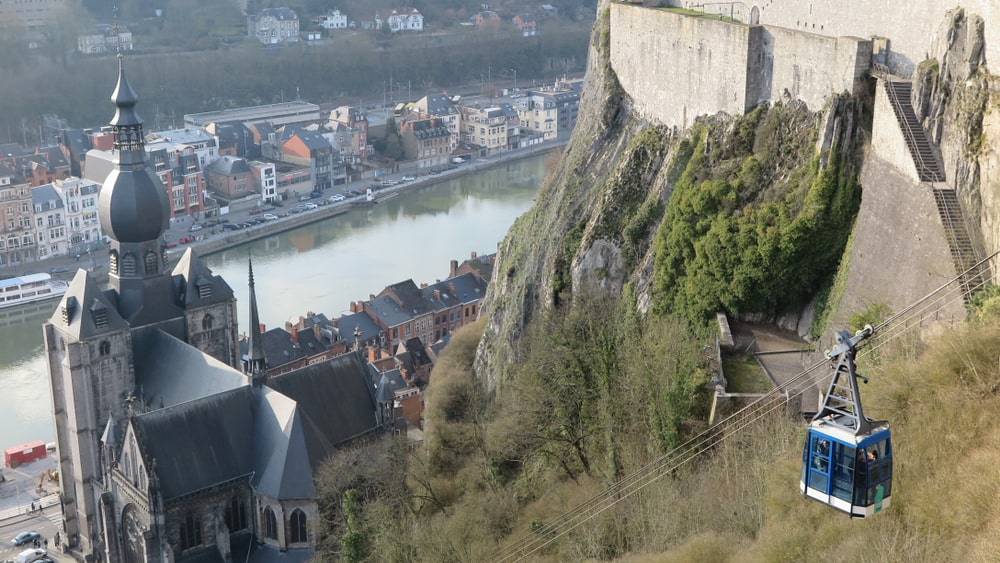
x: 850, y: 473
x: 847, y: 457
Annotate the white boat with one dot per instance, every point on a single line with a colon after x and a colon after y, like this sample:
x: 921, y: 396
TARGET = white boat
x: 30, y: 288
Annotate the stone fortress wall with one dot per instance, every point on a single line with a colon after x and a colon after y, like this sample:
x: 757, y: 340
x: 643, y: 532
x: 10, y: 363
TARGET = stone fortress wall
x: 903, y: 31
x: 677, y: 67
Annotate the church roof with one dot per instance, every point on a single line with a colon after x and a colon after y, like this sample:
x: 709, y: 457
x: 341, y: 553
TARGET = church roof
x: 85, y: 310
x: 255, y: 434
x: 170, y: 372
x: 196, y: 285
x: 335, y: 402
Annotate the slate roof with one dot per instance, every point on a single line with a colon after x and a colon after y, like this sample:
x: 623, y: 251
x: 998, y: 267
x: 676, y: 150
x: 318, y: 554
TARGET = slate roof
x: 428, y: 129
x: 54, y: 156
x: 84, y: 299
x: 363, y: 321
x: 440, y: 104
x: 191, y: 275
x: 169, y: 372
x: 335, y: 402
x: 408, y: 296
x: 389, y: 312
x: 313, y: 140
x: 278, y: 348
x: 47, y: 197
x: 256, y: 434
x: 230, y: 166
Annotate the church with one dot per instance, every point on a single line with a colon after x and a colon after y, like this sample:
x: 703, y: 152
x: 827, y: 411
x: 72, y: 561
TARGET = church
x: 172, y: 446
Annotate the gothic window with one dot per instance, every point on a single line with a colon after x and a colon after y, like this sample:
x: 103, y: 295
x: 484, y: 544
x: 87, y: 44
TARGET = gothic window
x: 190, y: 531
x: 114, y: 262
x: 298, y: 526
x: 128, y: 264
x: 236, y: 515
x: 151, y: 263
x: 207, y: 322
x: 270, y: 524
x: 104, y: 347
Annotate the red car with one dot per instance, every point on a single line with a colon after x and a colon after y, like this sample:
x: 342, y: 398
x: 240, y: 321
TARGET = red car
x: 255, y: 211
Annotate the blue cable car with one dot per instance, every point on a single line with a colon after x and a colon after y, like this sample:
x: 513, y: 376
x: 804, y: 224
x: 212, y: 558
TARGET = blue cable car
x: 847, y: 457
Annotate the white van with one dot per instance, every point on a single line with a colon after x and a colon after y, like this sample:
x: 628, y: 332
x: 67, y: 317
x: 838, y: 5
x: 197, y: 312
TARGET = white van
x: 29, y: 555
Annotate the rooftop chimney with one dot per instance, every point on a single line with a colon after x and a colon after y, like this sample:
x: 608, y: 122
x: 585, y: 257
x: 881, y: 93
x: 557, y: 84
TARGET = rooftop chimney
x: 295, y: 334
x: 454, y: 269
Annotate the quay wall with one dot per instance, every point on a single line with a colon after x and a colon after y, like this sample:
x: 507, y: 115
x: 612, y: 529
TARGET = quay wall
x: 676, y: 67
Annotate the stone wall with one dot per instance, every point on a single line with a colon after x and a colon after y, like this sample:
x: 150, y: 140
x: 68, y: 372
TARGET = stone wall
x: 888, y: 143
x: 910, y: 27
x: 677, y: 67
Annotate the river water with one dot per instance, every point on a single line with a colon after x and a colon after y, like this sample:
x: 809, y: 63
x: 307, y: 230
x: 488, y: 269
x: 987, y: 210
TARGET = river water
x: 317, y: 268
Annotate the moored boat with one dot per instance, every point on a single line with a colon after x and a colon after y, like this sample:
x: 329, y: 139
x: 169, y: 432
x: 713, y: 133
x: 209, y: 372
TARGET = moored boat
x: 30, y: 288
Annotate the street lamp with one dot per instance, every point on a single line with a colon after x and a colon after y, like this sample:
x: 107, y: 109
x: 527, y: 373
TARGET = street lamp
x: 515, y: 79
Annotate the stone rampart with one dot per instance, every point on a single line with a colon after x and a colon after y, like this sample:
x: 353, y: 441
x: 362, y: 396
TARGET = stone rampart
x: 910, y: 27
x: 888, y: 142
x: 677, y: 67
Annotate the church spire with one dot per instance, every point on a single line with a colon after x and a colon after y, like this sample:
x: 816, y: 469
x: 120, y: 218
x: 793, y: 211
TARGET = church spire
x: 256, y: 362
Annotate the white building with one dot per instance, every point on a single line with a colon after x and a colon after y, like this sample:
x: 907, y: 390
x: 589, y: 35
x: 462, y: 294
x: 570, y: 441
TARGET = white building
x: 105, y: 40
x: 50, y: 221
x: 332, y: 20
x: 190, y: 139
x: 400, y: 19
x: 83, y: 227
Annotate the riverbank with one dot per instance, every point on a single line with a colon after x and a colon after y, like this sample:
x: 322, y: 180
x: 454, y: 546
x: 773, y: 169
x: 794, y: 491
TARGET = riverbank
x: 206, y: 242
x: 209, y: 243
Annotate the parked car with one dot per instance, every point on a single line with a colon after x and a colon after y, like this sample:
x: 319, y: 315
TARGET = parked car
x: 312, y: 206
x: 336, y: 197
x: 408, y: 178
x: 30, y: 555
x: 269, y: 216
x: 256, y: 211
x: 25, y: 537
x: 304, y: 198
x: 194, y: 228
x: 58, y: 270
x: 316, y: 195
x: 389, y: 183
x: 230, y: 227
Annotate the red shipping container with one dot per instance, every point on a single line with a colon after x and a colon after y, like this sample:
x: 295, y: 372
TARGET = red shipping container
x: 25, y: 453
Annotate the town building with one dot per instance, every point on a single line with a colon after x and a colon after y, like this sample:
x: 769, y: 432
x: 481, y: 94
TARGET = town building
x: 426, y: 141
x: 173, y: 444
x: 314, y: 153
x: 31, y: 16
x: 283, y: 113
x: 551, y: 111
x: 399, y: 19
x: 17, y: 235
x: 230, y: 178
x: 485, y: 128
x: 442, y: 107
x: 106, y: 39
x: 265, y: 179
x: 273, y: 26
x: 83, y: 227
x: 526, y: 25
x: 50, y: 221
x: 195, y: 140
x: 334, y: 19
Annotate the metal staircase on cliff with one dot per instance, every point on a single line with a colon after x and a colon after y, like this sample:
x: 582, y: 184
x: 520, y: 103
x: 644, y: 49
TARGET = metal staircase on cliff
x: 964, y: 253
x: 917, y: 142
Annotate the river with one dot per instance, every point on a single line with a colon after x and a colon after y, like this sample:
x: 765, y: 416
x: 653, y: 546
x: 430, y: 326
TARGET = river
x: 320, y: 268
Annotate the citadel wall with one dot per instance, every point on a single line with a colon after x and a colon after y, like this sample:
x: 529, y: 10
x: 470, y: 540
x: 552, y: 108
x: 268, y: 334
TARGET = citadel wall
x: 909, y: 27
x: 677, y: 67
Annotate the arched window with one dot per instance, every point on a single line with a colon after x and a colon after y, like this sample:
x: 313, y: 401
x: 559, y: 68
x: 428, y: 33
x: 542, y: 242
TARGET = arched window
x: 236, y: 515
x: 207, y: 322
x: 270, y: 524
x: 128, y: 264
x: 298, y: 526
x: 152, y: 265
x: 190, y: 531
x: 104, y: 347
x: 113, y: 258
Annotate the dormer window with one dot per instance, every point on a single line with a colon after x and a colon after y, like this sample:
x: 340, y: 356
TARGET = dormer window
x: 68, y: 309
x: 100, y: 314
x: 204, y: 288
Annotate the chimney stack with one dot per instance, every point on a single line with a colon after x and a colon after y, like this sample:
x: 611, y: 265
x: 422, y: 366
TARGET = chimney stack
x: 454, y: 269
x: 295, y: 334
